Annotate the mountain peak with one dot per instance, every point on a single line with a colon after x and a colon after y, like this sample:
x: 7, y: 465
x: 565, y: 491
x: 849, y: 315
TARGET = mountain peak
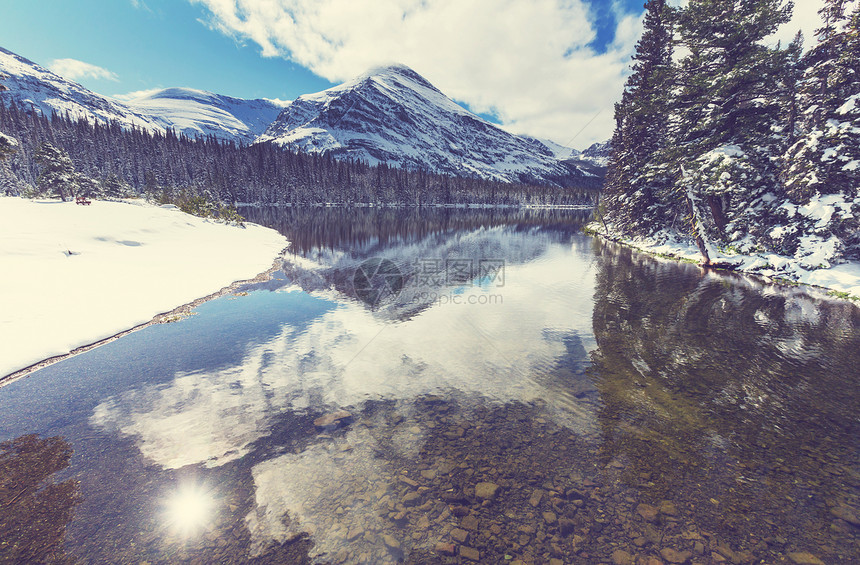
x: 391, y: 114
x: 394, y: 73
x: 398, y: 69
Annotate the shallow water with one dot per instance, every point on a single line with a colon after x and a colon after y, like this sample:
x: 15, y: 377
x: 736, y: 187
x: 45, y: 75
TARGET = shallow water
x: 519, y: 392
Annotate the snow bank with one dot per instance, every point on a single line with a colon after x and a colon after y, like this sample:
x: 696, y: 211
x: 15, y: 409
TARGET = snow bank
x: 129, y: 262
x: 844, y: 278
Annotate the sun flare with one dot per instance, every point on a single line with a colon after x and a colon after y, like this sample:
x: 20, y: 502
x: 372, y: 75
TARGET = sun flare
x: 190, y: 509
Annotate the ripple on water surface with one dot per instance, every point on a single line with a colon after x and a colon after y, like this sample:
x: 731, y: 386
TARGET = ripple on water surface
x: 602, y: 407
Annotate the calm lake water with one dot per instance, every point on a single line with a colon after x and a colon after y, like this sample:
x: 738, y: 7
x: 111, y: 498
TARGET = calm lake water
x: 450, y: 387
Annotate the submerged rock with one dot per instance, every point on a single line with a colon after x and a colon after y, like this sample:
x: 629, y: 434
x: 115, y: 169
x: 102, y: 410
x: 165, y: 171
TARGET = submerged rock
x: 846, y: 513
x: 470, y: 553
x: 469, y: 522
x: 648, y: 512
x: 621, y: 557
x: 460, y: 536
x: 535, y: 498
x: 333, y: 420
x: 804, y: 558
x: 668, y: 508
x: 486, y: 491
x: 675, y: 556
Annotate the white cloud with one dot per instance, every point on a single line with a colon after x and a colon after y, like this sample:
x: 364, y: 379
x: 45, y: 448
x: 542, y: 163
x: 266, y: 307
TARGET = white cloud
x: 526, y: 62
x: 73, y: 69
x: 141, y: 5
x: 134, y: 95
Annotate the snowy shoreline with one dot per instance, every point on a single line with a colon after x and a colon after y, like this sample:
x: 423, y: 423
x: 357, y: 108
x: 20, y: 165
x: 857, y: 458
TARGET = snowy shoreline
x: 839, y: 281
x: 78, y: 276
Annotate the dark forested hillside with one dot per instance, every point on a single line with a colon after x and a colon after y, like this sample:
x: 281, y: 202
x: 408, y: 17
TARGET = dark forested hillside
x: 739, y: 143
x: 164, y: 164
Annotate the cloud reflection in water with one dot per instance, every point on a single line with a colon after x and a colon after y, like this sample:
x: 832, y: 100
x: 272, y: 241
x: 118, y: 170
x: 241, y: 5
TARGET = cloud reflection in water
x: 519, y: 350
x: 348, y: 355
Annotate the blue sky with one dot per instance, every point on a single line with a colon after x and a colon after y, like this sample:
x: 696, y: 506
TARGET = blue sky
x: 542, y: 67
x: 160, y: 45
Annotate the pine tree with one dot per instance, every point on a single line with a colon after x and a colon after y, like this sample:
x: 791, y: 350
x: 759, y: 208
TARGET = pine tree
x: 820, y: 62
x: 635, y: 175
x: 820, y: 96
x: 790, y: 83
x: 113, y: 187
x: 823, y: 165
x: 8, y: 146
x: 58, y: 177
x: 730, y: 129
x: 88, y: 187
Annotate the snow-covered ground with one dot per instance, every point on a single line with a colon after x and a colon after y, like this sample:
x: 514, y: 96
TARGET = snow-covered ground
x: 73, y: 275
x: 843, y: 278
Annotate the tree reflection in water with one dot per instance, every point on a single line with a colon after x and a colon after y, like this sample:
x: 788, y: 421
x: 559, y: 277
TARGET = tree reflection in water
x: 734, y: 399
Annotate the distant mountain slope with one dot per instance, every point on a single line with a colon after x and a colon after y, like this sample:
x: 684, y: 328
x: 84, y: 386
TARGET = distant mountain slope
x: 197, y: 112
x: 189, y: 111
x: 390, y: 115
x: 33, y: 86
x: 558, y: 151
x: 597, y: 153
x: 393, y: 115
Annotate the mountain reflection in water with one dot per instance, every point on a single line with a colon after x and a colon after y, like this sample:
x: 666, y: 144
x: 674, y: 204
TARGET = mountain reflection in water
x: 604, y: 406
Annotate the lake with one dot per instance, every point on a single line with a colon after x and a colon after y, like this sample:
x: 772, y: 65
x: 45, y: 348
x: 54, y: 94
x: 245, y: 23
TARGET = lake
x: 450, y: 386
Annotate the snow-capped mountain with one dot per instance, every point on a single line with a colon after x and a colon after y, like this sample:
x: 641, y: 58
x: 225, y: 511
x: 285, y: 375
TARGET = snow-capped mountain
x: 390, y: 114
x: 558, y: 151
x: 393, y: 115
x: 33, y: 86
x: 197, y: 112
x: 597, y: 153
x: 192, y: 112
x: 591, y: 161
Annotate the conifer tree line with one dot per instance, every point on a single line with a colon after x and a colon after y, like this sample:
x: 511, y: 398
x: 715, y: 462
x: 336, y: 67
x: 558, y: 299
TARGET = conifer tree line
x: 60, y: 157
x: 736, y: 140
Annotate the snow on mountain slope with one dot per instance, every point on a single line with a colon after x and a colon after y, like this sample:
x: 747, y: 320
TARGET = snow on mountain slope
x: 196, y: 112
x: 390, y: 114
x: 189, y: 111
x: 32, y: 86
x: 597, y: 153
x: 393, y: 115
x: 558, y: 151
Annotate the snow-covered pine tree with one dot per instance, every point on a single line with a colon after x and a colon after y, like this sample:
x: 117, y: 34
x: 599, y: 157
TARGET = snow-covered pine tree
x: 58, y: 177
x: 8, y: 146
x: 636, y: 174
x: 88, y: 187
x: 113, y: 187
x: 729, y: 108
x: 822, y: 168
x: 790, y: 83
x: 817, y: 101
